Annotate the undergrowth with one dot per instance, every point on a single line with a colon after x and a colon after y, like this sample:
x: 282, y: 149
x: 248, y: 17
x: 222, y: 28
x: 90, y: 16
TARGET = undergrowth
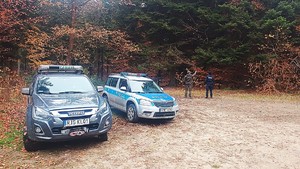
x: 12, y: 109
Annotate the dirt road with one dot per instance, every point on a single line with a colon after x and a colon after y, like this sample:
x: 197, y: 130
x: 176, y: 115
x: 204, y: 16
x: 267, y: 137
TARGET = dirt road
x: 228, y: 131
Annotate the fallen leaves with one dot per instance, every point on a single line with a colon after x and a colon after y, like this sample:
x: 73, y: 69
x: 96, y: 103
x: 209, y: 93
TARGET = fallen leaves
x: 11, y: 110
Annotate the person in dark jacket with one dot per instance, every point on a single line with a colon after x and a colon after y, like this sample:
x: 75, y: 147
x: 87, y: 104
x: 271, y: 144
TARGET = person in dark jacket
x: 209, y: 82
x: 188, y: 83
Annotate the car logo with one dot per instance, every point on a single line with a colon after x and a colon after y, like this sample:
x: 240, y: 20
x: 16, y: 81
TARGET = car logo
x: 75, y: 113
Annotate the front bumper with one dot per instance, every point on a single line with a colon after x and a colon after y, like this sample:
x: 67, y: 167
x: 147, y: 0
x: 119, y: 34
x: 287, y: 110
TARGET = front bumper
x: 153, y: 112
x: 53, y: 130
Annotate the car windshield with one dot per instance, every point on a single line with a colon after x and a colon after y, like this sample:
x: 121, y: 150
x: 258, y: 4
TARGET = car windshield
x: 64, y: 85
x: 144, y: 87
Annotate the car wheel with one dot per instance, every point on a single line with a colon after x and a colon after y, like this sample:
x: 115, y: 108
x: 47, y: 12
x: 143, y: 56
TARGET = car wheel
x: 132, y: 113
x: 29, y: 144
x: 103, y: 137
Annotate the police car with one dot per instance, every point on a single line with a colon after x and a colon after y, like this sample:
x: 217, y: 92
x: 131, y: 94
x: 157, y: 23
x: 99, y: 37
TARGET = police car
x: 63, y: 104
x: 139, y: 96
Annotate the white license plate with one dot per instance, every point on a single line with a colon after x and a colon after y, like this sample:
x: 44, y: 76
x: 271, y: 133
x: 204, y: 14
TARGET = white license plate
x: 165, y: 109
x: 77, y: 122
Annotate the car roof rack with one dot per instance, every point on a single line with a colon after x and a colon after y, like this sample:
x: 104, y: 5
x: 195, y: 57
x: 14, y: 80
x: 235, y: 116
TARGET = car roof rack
x: 75, y: 69
x: 133, y: 74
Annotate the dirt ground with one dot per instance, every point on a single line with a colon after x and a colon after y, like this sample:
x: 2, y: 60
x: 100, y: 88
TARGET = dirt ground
x: 228, y: 131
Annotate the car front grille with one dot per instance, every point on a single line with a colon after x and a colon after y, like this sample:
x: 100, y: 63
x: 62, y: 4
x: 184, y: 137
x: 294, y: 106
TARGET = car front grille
x: 164, y: 114
x: 164, y: 104
x: 74, y: 112
x: 71, y: 118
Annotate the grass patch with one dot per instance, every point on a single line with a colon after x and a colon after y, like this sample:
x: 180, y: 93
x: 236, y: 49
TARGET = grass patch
x: 12, y: 138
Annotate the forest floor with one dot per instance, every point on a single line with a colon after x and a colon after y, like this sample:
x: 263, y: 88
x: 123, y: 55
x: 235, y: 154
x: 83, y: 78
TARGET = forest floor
x: 232, y: 130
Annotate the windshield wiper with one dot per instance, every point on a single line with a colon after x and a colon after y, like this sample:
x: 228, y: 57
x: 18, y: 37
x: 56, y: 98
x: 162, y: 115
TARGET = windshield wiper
x: 45, y: 92
x: 138, y: 92
x: 70, y: 92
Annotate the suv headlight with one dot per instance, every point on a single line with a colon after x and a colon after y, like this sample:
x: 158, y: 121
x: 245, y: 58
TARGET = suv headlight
x: 103, y: 107
x: 145, y: 102
x: 175, y: 102
x: 39, y: 113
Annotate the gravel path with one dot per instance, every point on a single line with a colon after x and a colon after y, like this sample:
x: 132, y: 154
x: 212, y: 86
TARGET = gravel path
x: 224, y: 132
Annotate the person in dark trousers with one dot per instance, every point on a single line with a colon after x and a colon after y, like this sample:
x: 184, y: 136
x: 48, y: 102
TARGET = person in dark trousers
x: 158, y: 77
x: 188, y: 83
x: 209, y: 82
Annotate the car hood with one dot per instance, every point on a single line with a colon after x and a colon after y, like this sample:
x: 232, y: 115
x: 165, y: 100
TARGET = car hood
x: 157, y: 96
x: 61, y: 101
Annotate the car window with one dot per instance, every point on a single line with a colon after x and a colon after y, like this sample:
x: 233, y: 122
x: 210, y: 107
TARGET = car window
x: 65, y: 84
x: 31, y: 87
x: 144, y: 87
x: 108, y: 81
x: 113, y: 82
x: 123, y: 83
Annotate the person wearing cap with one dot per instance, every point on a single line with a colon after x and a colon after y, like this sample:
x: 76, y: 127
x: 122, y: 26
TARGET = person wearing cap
x: 188, y: 83
x: 209, y: 82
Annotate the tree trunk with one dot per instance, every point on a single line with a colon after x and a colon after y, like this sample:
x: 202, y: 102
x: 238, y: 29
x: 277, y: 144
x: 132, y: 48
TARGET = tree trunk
x: 71, y: 40
x: 102, y: 62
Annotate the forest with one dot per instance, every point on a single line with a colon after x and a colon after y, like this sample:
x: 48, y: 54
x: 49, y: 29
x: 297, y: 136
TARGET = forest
x: 245, y: 43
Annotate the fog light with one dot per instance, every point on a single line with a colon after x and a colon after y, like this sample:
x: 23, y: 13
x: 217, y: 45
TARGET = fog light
x: 38, y: 129
x: 65, y: 132
x: 107, y: 122
x: 147, y: 113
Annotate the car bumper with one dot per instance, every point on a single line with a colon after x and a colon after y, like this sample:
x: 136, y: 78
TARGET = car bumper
x: 55, y: 131
x: 153, y: 112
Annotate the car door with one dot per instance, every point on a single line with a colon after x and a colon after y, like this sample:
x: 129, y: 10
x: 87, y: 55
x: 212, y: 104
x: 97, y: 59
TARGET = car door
x: 111, y: 90
x: 122, y: 94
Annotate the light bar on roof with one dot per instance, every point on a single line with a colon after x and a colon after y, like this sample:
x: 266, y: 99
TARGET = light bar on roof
x: 133, y: 74
x: 60, y: 68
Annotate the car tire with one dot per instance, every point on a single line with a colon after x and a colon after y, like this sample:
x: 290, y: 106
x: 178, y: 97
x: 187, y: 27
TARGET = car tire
x: 29, y: 144
x: 132, y: 113
x: 103, y: 137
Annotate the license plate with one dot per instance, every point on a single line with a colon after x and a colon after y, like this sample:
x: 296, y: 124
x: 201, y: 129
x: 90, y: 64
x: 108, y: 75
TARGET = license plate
x: 165, y: 109
x: 77, y: 122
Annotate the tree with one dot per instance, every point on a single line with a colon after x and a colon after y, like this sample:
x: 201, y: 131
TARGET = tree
x: 275, y: 72
x: 53, y: 47
x: 221, y: 34
x: 15, y: 17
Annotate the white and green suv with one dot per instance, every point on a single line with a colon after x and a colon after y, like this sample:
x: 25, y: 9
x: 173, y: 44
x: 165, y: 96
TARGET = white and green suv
x: 139, y: 96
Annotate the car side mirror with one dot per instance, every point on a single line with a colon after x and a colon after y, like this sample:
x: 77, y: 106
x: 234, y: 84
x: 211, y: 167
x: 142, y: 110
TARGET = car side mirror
x: 25, y: 91
x: 123, y: 88
x: 100, y: 88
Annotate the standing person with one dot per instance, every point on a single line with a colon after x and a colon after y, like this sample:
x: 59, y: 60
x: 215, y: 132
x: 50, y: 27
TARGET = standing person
x: 188, y: 83
x: 209, y: 81
x: 158, y: 77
